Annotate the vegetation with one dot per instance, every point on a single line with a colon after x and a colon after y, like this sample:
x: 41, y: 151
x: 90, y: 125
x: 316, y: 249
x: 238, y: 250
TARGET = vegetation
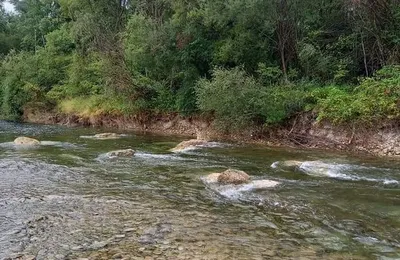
x: 248, y: 62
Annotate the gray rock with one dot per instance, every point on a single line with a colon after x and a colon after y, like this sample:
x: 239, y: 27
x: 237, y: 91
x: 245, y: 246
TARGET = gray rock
x: 122, y: 153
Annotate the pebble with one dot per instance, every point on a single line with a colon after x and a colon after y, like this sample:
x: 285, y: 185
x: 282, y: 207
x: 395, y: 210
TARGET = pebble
x: 119, y: 236
x: 129, y: 230
x: 180, y: 248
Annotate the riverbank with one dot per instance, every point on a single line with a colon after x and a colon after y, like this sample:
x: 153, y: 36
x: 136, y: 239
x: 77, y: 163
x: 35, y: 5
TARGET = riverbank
x: 302, y: 131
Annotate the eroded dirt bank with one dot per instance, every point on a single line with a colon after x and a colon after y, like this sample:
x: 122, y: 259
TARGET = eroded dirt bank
x: 302, y: 131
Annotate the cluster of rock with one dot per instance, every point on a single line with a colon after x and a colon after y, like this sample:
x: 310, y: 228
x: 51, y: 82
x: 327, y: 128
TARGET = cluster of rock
x: 228, y: 177
x: 31, y: 142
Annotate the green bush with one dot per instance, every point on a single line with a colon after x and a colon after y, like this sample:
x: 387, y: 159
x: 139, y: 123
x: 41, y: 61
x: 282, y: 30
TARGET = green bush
x: 233, y: 96
x: 376, y: 98
x: 15, y: 71
x: 238, y: 100
x: 281, y: 102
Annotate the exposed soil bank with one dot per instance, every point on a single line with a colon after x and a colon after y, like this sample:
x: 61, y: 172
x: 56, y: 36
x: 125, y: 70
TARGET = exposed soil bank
x: 302, y: 131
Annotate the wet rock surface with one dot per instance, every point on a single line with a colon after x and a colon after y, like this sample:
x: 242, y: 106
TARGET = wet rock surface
x: 107, y: 136
x: 190, y: 144
x: 103, y: 136
x: 26, y: 141
x: 122, y: 153
x: 232, y: 176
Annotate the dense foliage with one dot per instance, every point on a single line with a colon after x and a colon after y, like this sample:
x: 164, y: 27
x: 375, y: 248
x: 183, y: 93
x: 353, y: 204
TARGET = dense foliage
x: 244, y: 62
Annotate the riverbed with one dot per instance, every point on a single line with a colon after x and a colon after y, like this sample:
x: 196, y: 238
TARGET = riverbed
x: 65, y: 199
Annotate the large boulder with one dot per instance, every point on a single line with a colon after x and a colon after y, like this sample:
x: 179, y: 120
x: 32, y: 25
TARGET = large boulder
x: 26, y: 141
x: 190, y: 144
x: 122, y: 153
x: 232, y: 176
x: 107, y: 136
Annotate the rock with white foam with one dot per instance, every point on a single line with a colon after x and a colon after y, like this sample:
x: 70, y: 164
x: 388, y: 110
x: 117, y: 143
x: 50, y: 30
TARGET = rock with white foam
x: 232, y: 176
x: 121, y: 153
x: 287, y: 164
x: 26, y: 141
x: 232, y: 183
x: 103, y: 136
x: 319, y: 169
x: 229, y: 176
x: 107, y: 136
x: 188, y: 145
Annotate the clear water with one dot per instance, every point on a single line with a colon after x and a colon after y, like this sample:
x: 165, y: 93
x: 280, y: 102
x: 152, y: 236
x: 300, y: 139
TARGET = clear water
x: 66, y: 200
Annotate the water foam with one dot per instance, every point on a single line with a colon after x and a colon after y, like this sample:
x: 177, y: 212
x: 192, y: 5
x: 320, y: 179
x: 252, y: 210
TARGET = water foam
x: 336, y: 171
x: 237, y: 191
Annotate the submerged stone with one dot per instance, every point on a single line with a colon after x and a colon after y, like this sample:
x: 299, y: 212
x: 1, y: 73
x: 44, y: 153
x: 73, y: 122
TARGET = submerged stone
x: 190, y: 144
x: 287, y: 164
x: 26, y: 141
x: 107, y: 136
x: 122, y: 153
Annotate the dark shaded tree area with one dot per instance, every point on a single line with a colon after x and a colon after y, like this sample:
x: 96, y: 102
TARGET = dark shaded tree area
x: 162, y: 56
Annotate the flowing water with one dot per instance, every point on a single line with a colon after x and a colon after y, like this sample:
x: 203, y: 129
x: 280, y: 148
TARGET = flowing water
x: 66, y: 200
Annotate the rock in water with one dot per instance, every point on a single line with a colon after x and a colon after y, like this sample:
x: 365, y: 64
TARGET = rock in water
x: 26, y: 141
x: 107, y: 136
x: 231, y: 176
x: 321, y: 169
x: 291, y: 163
x: 190, y: 144
x: 286, y: 164
x: 121, y: 153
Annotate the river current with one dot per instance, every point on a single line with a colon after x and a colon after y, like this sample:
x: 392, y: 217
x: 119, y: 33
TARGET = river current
x: 66, y: 200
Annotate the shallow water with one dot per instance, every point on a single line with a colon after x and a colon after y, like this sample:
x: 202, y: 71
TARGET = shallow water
x: 66, y: 200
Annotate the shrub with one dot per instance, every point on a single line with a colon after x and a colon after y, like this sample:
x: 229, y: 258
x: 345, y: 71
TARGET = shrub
x: 376, y: 98
x: 238, y: 100
x: 233, y: 96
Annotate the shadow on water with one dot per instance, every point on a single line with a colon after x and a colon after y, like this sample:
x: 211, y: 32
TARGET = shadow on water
x: 65, y: 200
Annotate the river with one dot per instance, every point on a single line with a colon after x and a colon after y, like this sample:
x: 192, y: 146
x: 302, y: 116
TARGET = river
x: 66, y: 200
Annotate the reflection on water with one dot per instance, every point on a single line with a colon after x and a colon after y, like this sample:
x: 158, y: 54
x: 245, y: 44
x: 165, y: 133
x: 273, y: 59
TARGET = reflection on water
x: 66, y: 200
